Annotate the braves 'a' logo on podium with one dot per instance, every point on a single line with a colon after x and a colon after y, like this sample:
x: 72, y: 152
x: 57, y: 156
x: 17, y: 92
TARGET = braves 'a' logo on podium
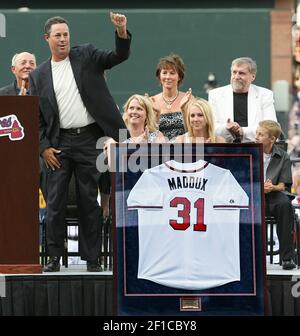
x: 11, y: 126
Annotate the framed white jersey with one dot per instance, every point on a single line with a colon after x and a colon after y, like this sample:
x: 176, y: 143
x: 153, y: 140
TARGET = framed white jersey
x: 188, y: 224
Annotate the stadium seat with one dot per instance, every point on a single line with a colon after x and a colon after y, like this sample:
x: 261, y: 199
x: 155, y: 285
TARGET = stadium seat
x: 72, y: 222
x: 270, y: 237
x: 72, y: 234
x: 271, y: 249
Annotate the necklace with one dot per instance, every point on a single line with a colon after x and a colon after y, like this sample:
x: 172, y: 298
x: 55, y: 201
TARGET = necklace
x: 139, y: 138
x: 169, y: 102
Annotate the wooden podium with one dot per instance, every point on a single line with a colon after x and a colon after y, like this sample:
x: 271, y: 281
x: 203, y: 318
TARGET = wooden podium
x: 19, y: 180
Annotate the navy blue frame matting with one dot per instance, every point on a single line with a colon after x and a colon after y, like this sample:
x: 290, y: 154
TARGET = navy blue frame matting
x: 142, y: 297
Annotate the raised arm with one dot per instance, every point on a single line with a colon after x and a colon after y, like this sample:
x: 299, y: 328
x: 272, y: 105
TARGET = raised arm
x: 119, y: 21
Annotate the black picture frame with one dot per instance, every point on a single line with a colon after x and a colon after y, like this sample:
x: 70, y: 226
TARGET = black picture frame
x: 143, y: 297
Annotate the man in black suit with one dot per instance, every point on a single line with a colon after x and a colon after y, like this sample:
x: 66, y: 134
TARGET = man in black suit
x: 21, y: 65
x: 76, y: 108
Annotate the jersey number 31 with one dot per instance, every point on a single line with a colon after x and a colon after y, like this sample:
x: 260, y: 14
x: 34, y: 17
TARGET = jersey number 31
x: 185, y: 214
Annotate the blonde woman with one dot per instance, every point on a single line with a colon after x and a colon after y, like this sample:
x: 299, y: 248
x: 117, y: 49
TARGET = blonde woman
x: 200, y: 123
x: 140, y: 120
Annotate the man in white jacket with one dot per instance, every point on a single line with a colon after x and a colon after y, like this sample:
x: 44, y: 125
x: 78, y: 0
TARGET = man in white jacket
x: 240, y: 106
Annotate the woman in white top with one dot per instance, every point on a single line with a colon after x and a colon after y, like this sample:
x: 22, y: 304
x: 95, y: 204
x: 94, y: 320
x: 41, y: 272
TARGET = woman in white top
x: 200, y: 124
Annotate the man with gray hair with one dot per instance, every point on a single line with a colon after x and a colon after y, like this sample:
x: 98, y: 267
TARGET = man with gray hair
x: 241, y: 105
x: 21, y: 65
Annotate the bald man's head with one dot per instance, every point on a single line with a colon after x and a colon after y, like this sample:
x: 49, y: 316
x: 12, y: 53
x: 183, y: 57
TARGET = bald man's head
x: 22, y: 64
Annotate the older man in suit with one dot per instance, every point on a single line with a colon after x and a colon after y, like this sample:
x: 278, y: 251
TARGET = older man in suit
x: 240, y: 106
x: 76, y: 109
x: 22, y: 64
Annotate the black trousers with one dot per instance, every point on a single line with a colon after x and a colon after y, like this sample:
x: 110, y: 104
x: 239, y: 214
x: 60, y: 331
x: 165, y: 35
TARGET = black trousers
x: 279, y: 205
x: 104, y: 183
x: 78, y: 155
x: 43, y: 178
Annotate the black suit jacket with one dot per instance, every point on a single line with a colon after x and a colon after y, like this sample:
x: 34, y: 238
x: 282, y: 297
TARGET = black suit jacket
x: 9, y: 90
x: 88, y: 65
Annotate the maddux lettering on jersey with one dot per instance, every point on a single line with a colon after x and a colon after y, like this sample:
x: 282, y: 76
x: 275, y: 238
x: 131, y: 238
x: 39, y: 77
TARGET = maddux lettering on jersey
x: 188, y: 224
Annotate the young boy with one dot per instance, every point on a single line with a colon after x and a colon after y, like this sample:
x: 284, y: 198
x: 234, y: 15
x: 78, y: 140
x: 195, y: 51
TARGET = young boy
x: 277, y: 177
